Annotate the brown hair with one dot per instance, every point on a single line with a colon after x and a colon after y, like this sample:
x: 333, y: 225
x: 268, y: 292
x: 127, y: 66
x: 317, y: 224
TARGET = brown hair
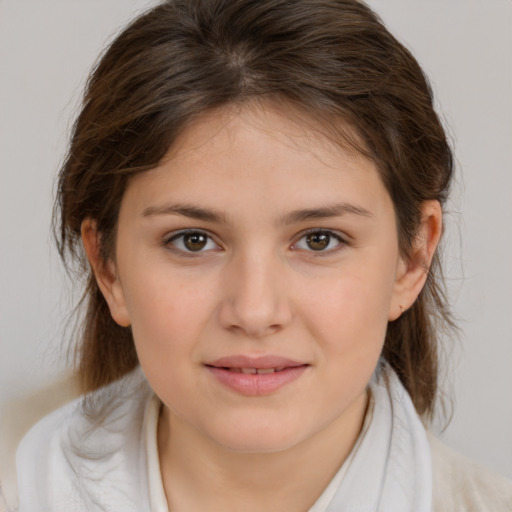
x: 331, y: 58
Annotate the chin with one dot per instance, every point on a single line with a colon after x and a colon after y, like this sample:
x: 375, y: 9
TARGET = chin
x: 257, y: 438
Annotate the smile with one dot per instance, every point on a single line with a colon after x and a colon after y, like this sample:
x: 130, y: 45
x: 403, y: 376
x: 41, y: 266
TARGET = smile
x: 259, y: 371
x: 249, y: 376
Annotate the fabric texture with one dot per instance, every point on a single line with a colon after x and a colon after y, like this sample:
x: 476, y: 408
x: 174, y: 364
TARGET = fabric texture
x: 463, y: 486
x: 391, y: 470
x: 90, y: 454
x: 99, y: 453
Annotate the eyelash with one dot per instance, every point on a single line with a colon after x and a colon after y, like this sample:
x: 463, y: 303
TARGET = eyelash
x: 332, y: 236
x: 170, y: 241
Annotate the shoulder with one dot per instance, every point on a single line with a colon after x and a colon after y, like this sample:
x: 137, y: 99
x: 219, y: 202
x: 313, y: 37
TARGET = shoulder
x: 459, y: 484
x: 72, y: 456
x: 40, y: 456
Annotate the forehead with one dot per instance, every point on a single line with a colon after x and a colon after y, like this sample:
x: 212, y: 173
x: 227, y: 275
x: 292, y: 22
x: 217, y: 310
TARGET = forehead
x: 259, y: 154
x: 291, y: 125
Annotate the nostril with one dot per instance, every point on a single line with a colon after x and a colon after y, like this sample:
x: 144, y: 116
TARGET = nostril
x: 254, y: 311
x: 254, y: 332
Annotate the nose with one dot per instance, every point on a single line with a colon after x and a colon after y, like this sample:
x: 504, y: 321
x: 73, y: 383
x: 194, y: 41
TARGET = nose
x: 255, y: 300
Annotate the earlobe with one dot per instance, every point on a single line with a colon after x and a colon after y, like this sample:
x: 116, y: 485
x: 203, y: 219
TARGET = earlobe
x: 412, y: 272
x: 105, y: 273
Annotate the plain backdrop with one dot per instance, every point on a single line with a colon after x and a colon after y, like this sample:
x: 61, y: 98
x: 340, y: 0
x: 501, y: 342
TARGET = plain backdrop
x: 465, y: 46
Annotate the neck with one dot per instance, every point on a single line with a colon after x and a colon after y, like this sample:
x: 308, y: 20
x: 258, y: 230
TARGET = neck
x: 198, y: 474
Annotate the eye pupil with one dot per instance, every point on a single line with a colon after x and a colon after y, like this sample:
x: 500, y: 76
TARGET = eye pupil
x: 195, y: 241
x: 318, y: 241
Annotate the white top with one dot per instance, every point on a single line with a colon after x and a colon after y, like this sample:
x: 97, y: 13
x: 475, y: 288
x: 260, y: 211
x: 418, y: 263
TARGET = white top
x: 158, y: 501
x: 100, y: 453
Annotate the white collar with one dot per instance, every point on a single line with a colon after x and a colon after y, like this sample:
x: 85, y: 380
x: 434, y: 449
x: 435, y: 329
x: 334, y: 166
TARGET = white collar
x: 388, y: 470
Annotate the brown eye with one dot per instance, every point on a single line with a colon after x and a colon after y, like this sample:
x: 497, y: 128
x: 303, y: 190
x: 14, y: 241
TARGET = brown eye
x: 191, y: 241
x: 195, y: 241
x: 318, y: 241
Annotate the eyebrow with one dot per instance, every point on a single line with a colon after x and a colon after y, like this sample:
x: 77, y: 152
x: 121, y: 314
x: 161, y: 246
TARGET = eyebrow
x: 208, y: 215
x: 187, y: 210
x: 335, y: 210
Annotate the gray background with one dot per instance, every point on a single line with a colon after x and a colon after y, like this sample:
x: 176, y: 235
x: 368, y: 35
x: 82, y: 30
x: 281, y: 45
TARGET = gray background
x: 465, y: 46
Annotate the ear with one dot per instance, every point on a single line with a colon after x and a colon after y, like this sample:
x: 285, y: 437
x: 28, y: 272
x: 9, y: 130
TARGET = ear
x: 105, y: 273
x: 412, y: 272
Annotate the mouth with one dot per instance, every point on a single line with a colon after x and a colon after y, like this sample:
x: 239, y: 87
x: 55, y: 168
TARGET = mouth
x: 250, y: 376
x: 254, y: 371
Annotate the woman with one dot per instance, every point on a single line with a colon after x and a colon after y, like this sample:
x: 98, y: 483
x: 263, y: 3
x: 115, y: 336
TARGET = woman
x: 258, y: 187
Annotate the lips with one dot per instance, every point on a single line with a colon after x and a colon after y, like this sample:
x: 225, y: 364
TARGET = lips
x: 260, y: 362
x: 252, y: 376
x: 259, y: 371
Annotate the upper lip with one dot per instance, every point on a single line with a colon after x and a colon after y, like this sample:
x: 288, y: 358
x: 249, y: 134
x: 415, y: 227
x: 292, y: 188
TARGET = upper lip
x: 259, y: 362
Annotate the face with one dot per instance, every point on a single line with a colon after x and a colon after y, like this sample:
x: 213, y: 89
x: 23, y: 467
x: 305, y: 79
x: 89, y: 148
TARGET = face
x: 258, y: 266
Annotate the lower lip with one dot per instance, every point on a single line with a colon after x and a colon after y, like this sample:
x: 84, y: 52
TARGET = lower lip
x: 254, y: 384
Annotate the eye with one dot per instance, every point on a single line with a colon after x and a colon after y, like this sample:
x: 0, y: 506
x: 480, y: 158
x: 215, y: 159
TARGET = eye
x: 191, y: 241
x: 318, y: 241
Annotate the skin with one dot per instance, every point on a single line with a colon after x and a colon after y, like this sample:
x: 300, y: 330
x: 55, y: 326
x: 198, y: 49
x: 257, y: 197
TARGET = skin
x: 258, y: 288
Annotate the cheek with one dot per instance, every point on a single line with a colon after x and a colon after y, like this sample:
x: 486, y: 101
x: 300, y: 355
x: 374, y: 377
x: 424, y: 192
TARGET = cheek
x: 167, y: 313
x: 350, y: 315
